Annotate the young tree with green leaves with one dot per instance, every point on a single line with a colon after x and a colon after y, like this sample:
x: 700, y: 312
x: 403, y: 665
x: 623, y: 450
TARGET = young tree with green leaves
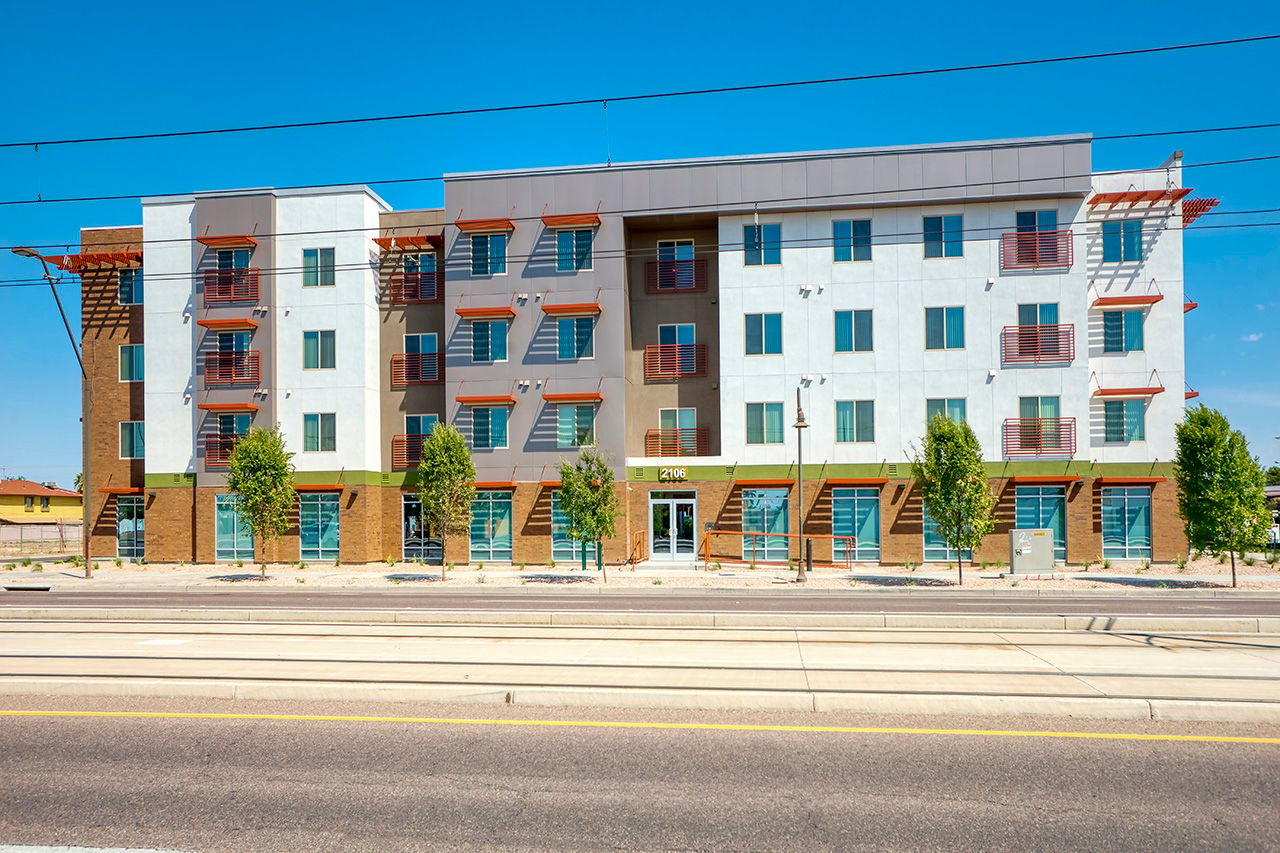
x: 446, y: 486
x: 260, y: 475
x: 589, y: 502
x: 1273, y: 475
x: 1220, y: 486
x: 953, y: 486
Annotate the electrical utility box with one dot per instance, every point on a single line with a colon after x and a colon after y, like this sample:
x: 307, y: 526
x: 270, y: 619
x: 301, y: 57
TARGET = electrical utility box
x: 1030, y: 551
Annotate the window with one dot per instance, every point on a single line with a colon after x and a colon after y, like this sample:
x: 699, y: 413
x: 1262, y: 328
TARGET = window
x: 573, y: 250
x: 762, y: 244
x: 1039, y: 507
x: 680, y: 432
x: 1122, y: 331
x: 943, y: 236
x: 575, y: 337
x: 234, y: 259
x: 131, y: 443
x: 489, y: 427
x: 851, y: 240
x: 576, y: 425
x: 130, y: 526
x: 935, y: 548
x: 855, y: 421
x: 676, y: 268
x: 491, y: 527
x: 1122, y: 240
x: 1034, y: 343
x: 417, y: 543
x: 944, y: 328
x: 320, y: 432
x: 1034, y: 221
x: 44, y: 504
x: 131, y: 363
x: 1126, y: 522
x: 420, y: 424
x: 29, y: 503
x: 488, y: 340
x: 317, y: 350
x: 679, y: 353
x: 953, y: 408
x: 853, y: 331
x: 1124, y: 420
x: 488, y: 254
x: 236, y: 424
x: 563, y: 548
x: 318, y: 526
x: 856, y: 513
x: 233, y: 540
x: 317, y: 268
x: 764, y: 423
x: 765, y: 511
x: 1038, y: 314
x: 129, y: 289
x: 1039, y: 425
x: 764, y: 334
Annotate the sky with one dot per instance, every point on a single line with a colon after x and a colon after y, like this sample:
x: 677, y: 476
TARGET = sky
x: 74, y: 69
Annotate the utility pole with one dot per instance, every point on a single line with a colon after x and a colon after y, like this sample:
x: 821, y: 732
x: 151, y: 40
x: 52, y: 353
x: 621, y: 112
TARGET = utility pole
x: 23, y: 251
x: 800, y: 426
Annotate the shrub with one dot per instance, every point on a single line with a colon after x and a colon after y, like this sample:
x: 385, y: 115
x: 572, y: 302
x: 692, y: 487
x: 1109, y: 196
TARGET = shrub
x: 26, y: 561
x: 1106, y: 564
x: 1143, y: 565
x: 119, y: 562
x: 480, y: 579
x: 552, y: 563
x: 657, y: 582
x: 480, y: 566
x: 1180, y: 562
x: 909, y: 566
x: 37, y: 568
x: 389, y: 560
x: 1248, y: 561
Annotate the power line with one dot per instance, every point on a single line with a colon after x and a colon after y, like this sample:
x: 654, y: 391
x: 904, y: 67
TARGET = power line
x: 557, y: 171
x: 719, y: 90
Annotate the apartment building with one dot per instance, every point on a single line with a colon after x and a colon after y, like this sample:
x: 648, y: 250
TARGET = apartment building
x: 667, y: 313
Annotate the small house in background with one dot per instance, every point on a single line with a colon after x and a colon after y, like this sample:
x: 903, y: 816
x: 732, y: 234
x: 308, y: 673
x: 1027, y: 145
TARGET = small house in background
x: 39, y: 512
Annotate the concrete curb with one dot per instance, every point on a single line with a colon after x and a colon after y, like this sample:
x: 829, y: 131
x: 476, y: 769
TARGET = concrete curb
x: 668, y: 619
x: 876, y: 703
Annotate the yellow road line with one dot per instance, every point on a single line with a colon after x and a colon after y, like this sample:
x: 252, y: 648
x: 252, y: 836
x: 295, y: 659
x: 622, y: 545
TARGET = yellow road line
x: 610, y: 724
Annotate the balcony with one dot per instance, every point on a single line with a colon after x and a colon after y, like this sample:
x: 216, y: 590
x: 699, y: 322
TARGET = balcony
x: 417, y: 369
x: 674, y: 361
x: 406, y: 450
x: 241, y: 367
x: 1031, y: 250
x: 690, y: 441
x: 231, y: 285
x: 1038, y: 344
x: 684, y: 276
x: 217, y: 449
x: 412, y: 288
x: 1039, y: 437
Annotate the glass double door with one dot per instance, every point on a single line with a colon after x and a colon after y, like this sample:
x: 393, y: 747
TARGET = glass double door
x: 673, y: 526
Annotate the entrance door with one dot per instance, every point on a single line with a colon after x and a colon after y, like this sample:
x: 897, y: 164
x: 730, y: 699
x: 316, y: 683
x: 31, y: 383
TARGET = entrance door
x: 765, y: 511
x: 318, y: 526
x: 130, y: 530
x: 673, y: 526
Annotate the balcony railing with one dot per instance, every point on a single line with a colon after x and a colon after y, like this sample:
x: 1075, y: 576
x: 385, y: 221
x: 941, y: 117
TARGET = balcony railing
x: 217, y: 449
x: 1038, y: 344
x: 406, y: 450
x: 232, y: 368
x: 412, y: 287
x: 415, y: 369
x: 1039, y: 437
x: 690, y: 441
x: 231, y: 285
x: 683, y: 276
x: 1026, y: 250
x: 674, y: 361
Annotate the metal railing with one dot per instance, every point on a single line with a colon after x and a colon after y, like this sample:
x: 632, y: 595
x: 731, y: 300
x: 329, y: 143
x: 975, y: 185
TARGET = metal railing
x: 1039, y: 437
x: 217, y: 449
x: 406, y: 450
x: 411, y: 287
x: 231, y: 285
x: 674, y: 361
x: 1020, y: 250
x: 687, y: 441
x: 417, y: 369
x: 1038, y: 344
x: 232, y: 368
x: 675, y: 276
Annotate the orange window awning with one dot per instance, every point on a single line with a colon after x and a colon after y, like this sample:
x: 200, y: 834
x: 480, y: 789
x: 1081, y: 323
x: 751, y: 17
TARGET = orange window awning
x: 1189, y: 306
x: 228, y: 407
x: 484, y: 224
x: 575, y: 397
x: 572, y: 220
x: 492, y: 312
x: 487, y: 400
x: 227, y: 241
x: 228, y: 323
x: 1045, y: 479
x: 492, y: 485
x: 94, y: 260
x: 1129, y: 392
x: 765, y: 481
x: 318, y: 487
x: 1143, y: 299
x: 1129, y: 481
x: 1133, y: 198
x: 410, y: 242
x: 571, y: 309
x: 121, y: 490
x: 857, y: 481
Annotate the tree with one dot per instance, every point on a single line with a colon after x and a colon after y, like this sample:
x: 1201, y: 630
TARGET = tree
x: 446, y: 485
x: 953, y: 486
x: 78, y: 484
x: 588, y: 500
x: 1220, y: 486
x: 1273, y: 475
x: 261, y: 478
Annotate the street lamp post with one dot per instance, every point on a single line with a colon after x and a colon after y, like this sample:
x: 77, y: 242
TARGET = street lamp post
x: 23, y: 251
x: 800, y: 425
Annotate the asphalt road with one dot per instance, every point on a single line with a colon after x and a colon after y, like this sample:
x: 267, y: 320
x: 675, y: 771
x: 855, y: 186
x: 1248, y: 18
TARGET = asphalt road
x: 793, y: 601
x: 289, y: 785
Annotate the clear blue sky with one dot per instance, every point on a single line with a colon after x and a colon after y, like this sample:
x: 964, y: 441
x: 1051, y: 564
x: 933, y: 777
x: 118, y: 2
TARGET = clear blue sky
x: 74, y: 69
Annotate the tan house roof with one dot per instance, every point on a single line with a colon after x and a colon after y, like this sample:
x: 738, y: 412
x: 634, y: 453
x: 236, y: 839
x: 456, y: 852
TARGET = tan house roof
x: 27, y: 487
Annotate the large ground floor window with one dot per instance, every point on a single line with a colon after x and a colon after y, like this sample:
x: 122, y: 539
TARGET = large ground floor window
x: 1044, y: 507
x: 318, y: 526
x: 417, y: 545
x: 935, y: 549
x: 491, y: 527
x: 233, y: 540
x: 564, y: 549
x: 765, y: 511
x: 856, y: 513
x: 1126, y: 522
x: 130, y: 527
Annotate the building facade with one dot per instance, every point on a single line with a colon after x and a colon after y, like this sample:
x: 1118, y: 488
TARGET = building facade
x: 666, y: 313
